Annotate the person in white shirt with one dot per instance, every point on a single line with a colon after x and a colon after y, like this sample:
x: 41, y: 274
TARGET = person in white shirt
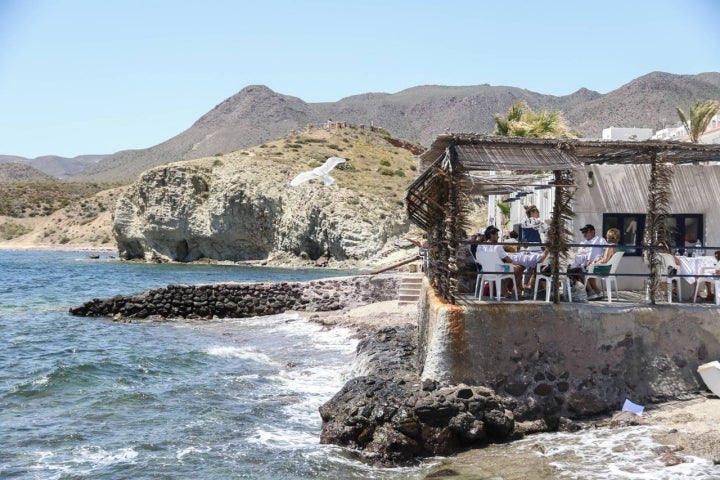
x: 590, y: 252
x: 532, y: 228
x: 492, y: 235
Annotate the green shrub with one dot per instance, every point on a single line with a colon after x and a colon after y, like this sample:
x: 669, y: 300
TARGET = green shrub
x: 10, y: 230
x: 385, y: 163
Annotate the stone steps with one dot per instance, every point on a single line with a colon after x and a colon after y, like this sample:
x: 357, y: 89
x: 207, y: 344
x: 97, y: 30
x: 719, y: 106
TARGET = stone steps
x: 409, y: 291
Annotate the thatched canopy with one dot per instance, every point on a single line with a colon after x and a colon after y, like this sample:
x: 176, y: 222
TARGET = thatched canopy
x: 457, y: 166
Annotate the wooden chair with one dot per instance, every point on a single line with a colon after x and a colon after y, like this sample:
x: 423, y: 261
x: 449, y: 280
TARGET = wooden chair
x: 607, y: 277
x: 565, y: 284
x: 494, y: 271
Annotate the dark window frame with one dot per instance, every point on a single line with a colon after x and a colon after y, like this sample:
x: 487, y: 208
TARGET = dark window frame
x: 622, y: 221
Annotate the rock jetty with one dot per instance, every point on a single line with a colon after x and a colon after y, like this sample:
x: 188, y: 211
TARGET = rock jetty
x: 238, y: 300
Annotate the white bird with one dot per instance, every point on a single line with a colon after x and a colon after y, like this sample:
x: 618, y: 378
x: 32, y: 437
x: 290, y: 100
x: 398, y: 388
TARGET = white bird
x: 319, y: 172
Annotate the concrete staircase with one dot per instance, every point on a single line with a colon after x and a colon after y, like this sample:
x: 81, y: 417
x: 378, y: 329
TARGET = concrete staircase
x: 410, y: 286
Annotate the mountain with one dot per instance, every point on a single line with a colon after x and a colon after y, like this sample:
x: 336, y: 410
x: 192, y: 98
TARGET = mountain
x: 19, y: 172
x: 55, y: 166
x: 257, y: 114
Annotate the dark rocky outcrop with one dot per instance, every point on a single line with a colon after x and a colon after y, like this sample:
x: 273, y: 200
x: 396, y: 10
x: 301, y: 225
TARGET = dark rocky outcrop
x: 245, y: 299
x: 391, y: 417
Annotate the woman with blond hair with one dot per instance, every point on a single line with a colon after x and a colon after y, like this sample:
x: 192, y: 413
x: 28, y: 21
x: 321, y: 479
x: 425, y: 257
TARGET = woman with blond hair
x: 612, y: 236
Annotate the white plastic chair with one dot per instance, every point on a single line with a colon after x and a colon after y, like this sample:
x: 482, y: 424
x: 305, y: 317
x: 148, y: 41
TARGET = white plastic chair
x: 609, y: 277
x: 667, y: 261
x: 494, y: 271
x: 565, y: 286
x: 715, y: 280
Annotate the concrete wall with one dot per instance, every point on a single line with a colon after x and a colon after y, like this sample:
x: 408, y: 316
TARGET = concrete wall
x: 580, y: 358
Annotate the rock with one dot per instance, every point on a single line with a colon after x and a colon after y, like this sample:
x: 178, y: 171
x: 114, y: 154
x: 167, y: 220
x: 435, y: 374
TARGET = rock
x: 192, y: 210
x: 625, y: 419
x: 567, y: 425
x: 391, y: 417
x: 671, y: 458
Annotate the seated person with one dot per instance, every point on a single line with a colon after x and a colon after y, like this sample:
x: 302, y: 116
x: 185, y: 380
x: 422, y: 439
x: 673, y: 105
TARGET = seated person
x: 591, y: 250
x: 511, y: 237
x: 545, y: 260
x: 709, y: 285
x: 612, y: 237
x: 663, y: 248
x: 492, y: 234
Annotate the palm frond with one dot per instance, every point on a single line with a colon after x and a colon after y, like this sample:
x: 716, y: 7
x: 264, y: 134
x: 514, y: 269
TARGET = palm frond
x: 701, y: 114
x: 656, y: 221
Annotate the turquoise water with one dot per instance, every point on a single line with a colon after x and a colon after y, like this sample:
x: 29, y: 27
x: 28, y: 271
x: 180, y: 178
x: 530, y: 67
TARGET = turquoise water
x: 90, y: 398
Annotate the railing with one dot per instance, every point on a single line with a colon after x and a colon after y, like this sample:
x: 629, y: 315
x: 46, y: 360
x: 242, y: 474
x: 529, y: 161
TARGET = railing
x: 649, y: 276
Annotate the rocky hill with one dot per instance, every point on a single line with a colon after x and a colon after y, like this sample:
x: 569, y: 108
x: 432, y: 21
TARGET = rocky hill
x: 54, y: 165
x: 19, y: 172
x: 239, y: 206
x: 256, y: 114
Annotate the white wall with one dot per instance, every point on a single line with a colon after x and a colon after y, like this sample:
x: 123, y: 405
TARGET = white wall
x: 622, y: 133
x: 623, y: 189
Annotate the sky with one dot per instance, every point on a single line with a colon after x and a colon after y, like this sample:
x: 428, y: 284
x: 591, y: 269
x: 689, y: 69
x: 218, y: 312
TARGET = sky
x: 95, y: 77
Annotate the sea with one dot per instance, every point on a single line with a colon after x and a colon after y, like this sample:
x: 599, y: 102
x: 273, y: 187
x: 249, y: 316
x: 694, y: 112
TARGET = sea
x: 236, y: 398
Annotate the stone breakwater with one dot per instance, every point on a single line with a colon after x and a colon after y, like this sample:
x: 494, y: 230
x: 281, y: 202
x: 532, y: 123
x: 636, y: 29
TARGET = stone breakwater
x: 237, y: 300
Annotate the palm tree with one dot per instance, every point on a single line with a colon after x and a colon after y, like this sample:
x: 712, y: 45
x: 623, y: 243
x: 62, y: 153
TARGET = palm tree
x: 521, y: 121
x: 701, y: 113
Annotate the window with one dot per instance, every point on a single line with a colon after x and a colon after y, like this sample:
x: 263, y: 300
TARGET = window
x: 685, y: 230
x: 631, y: 226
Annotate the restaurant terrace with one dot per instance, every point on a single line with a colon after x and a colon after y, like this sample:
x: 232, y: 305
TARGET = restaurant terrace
x: 459, y: 166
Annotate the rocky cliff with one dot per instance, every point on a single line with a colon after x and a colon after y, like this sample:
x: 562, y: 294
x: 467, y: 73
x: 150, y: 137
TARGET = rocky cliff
x: 239, y: 207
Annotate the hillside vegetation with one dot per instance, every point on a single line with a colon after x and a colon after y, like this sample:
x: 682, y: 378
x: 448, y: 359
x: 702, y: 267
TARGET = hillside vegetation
x: 38, y: 199
x: 80, y: 213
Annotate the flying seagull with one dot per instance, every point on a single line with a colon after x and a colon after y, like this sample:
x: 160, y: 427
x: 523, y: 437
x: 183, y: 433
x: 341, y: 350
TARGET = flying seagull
x: 319, y: 172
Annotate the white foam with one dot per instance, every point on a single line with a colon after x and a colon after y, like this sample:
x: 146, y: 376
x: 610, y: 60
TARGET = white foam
x: 282, y: 438
x: 613, y: 453
x: 240, y: 352
x: 191, y: 451
x: 98, y: 456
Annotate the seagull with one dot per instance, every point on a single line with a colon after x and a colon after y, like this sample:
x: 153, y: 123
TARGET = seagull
x: 319, y: 172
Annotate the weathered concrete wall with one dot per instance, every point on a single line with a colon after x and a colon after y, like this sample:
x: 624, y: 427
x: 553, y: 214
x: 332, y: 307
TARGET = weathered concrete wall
x: 576, y: 359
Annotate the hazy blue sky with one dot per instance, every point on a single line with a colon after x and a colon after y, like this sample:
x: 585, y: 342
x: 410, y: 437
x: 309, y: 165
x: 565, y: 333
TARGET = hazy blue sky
x: 98, y: 76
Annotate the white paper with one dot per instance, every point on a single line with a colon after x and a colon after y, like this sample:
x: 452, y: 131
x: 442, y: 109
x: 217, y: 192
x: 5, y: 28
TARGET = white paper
x: 629, y: 406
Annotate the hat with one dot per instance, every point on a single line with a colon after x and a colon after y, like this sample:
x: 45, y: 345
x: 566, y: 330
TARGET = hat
x: 587, y: 227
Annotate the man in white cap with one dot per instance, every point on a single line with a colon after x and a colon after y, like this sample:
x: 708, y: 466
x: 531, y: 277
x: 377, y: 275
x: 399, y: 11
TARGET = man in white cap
x: 590, y: 251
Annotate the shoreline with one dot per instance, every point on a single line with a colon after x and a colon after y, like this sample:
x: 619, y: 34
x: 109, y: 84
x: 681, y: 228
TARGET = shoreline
x: 5, y: 247
x: 689, y: 426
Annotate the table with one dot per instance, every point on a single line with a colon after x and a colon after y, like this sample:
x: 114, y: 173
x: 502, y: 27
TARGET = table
x: 691, y: 267
x: 527, y: 259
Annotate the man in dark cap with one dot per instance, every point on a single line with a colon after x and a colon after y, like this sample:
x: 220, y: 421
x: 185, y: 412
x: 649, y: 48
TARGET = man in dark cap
x: 590, y: 251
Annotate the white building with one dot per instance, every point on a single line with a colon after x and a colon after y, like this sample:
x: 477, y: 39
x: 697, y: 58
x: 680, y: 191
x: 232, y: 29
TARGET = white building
x: 678, y: 132
x: 622, y: 133
x: 670, y: 133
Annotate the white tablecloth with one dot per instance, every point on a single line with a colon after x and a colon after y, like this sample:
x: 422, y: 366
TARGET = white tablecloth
x: 527, y: 259
x: 693, y: 266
